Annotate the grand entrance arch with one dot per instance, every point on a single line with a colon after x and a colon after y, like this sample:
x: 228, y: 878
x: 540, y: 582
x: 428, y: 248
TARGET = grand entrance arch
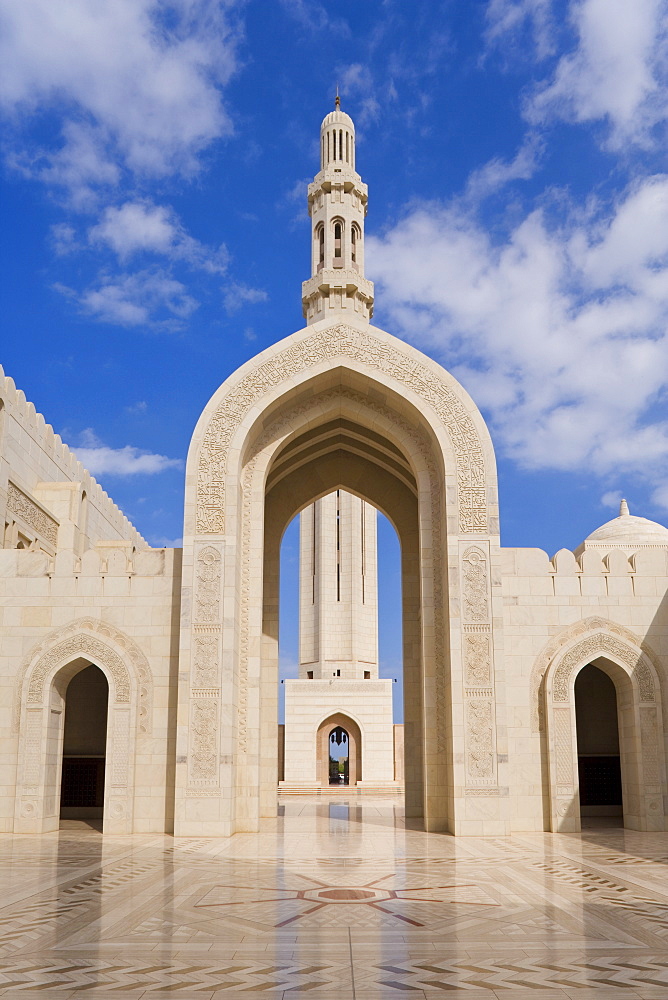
x: 353, y: 408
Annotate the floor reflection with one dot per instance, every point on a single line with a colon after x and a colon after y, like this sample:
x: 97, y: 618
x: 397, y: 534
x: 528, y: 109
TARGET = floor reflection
x: 336, y: 896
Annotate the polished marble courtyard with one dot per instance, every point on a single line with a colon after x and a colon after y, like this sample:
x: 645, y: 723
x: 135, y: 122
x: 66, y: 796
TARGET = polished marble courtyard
x: 335, y: 898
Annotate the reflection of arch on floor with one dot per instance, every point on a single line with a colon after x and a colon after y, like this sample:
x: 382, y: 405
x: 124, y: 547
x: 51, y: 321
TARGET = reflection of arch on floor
x: 354, y: 748
x: 41, y: 727
x: 638, y: 696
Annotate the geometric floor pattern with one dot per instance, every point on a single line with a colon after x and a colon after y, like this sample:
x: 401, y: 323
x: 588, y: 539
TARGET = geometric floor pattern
x: 335, y: 899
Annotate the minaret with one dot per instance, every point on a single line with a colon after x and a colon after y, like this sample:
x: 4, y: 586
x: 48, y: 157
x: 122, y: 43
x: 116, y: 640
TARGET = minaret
x: 337, y: 205
x: 338, y: 602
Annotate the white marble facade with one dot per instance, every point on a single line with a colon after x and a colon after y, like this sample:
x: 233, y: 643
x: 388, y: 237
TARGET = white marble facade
x: 494, y: 639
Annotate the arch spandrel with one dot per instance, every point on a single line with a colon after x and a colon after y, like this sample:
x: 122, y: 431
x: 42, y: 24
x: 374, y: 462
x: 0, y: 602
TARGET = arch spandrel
x: 388, y: 362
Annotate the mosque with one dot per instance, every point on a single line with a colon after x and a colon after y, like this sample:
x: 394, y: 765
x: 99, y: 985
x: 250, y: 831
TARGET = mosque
x: 140, y: 685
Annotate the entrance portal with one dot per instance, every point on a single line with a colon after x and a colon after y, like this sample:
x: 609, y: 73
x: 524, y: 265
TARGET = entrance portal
x: 599, y: 764
x: 84, y: 746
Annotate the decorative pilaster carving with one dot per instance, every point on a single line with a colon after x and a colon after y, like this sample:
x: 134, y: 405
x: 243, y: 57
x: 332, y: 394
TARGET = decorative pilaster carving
x: 650, y: 748
x: 479, y: 706
x: 207, y: 593
x: 203, y: 774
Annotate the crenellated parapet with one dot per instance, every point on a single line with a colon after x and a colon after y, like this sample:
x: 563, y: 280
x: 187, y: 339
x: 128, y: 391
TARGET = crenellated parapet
x: 530, y: 573
x: 47, y: 496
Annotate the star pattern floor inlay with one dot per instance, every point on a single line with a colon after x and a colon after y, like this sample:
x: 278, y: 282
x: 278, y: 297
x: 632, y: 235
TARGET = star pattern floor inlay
x: 335, y: 899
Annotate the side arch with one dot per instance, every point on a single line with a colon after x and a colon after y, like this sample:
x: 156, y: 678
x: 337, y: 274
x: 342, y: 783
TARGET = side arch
x: 47, y: 671
x: 641, y: 729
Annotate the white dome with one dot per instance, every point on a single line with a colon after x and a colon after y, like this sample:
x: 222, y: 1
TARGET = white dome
x: 627, y: 531
x: 337, y: 117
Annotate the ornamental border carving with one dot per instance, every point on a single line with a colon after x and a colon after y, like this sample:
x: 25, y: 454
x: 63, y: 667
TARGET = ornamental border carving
x: 30, y: 512
x: 81, y: 637
x: 419, y: 442
x: 591, y: 647
x: 335, y: 342
x: 594, y: 624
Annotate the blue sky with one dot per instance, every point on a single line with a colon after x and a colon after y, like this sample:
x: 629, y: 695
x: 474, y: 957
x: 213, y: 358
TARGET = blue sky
x: 155, y: 157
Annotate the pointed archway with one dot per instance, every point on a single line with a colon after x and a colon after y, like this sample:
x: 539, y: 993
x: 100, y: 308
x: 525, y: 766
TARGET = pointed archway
x: 640, y: 724
x: 351, y: 408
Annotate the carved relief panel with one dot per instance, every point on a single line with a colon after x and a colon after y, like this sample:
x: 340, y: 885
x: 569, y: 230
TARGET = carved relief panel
x: 479, y: 704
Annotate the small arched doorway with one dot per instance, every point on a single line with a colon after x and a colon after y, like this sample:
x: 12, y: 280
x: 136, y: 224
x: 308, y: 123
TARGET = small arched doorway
x: 84, y: 746
x: 599, y: 762
x: 339, y: 739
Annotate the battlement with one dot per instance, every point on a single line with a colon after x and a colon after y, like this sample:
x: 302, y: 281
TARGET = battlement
x: 531, y: 572
x: 36, y: 456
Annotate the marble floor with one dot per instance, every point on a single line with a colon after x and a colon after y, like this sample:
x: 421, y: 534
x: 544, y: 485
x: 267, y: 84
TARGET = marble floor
x: 335, y: 899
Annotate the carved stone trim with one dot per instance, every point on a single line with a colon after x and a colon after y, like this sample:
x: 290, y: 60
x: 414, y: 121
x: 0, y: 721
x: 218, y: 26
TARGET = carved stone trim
x: 327, y: 345
x: 561, y: 640
x: 86, y: 636
x: 30, y: 512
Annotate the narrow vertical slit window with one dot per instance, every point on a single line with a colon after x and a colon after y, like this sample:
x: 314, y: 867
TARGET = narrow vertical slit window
x: 338, y: 241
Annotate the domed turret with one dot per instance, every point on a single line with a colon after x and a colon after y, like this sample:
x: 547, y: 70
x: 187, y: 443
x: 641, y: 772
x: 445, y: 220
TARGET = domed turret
x: 337, y: 203
x: 627, y: 532
x: 337, y: 139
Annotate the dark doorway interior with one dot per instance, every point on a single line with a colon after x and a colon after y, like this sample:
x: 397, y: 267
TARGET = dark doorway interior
x: 599, y: 767
x: 84, y: 746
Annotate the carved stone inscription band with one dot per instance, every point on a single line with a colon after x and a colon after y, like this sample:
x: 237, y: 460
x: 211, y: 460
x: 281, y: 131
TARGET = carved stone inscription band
x: 342, y: 341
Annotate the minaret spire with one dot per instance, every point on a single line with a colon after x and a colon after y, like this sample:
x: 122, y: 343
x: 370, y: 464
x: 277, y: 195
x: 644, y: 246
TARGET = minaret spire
x: 337, y: 205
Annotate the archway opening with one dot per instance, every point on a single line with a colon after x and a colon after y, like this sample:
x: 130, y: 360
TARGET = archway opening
x: 599, y: 759
x: 340, y: 644
x: 339, y: 756
x: 84, y: 747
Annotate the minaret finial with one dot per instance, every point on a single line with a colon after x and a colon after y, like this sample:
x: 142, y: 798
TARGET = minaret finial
x: 623, y: 508
x: 337, y: 99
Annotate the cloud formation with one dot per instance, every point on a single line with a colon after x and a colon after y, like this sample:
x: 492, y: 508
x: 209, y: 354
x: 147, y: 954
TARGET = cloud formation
x: 141, y: 226
x: 151, y: 298
x: 617, y: 72
x: 559, y: 330
x: 100, y: 460
x: 135, y: 82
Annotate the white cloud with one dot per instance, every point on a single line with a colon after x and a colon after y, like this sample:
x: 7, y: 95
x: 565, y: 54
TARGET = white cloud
x: 237, y: 295
x: 150, y: 298
x: 141, y: 226
x: 509, y: 17
x: 617, y: 72
x: 100, y: 460
x: 560, y: 331
x: 135, y: 84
